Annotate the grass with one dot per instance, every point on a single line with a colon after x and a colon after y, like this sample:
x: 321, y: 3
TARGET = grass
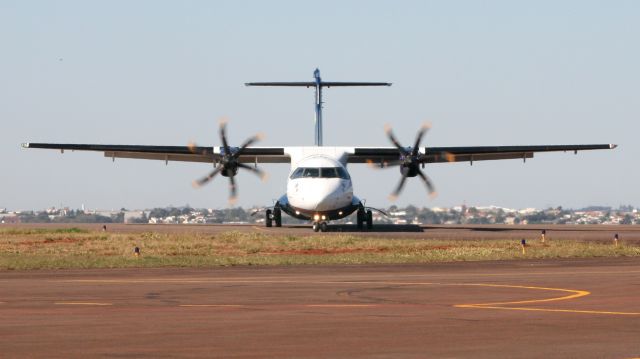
x: 78, y: 248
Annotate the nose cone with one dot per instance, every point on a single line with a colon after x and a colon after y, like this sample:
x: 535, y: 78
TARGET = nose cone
x: 321, y: 194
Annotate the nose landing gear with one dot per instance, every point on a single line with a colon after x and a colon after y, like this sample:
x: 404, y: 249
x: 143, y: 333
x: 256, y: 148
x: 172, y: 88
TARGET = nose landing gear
x: 320, y: 226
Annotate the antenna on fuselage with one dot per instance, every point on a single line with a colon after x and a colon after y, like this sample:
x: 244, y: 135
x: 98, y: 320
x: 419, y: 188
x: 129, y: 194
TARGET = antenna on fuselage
x: 318, y: 84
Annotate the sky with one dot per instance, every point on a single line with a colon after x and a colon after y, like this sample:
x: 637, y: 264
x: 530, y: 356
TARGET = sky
x: 165, y: 72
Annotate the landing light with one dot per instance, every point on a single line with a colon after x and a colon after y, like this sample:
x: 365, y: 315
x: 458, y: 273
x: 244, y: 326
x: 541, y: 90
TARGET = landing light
x: 340, y: 213
x: 298, y: 212
x: 324, y: 217
x: 316, y: 217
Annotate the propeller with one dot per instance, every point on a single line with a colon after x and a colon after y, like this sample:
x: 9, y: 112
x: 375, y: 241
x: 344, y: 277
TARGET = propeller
x: 409, y: 161
x: 228, y: 163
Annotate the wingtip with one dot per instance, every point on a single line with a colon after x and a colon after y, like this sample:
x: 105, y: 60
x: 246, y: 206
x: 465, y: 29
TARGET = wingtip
x: 612, y: 146
x: 195, y: 184
x: 393, y: 197
x: 387, y: 128
x: 24, y: 145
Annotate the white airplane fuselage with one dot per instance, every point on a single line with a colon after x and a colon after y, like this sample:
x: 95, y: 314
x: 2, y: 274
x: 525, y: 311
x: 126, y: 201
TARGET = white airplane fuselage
x: 319, y: 187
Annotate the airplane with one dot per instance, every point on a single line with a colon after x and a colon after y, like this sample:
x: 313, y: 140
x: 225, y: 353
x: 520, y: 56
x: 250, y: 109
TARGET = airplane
x: 319, y: 187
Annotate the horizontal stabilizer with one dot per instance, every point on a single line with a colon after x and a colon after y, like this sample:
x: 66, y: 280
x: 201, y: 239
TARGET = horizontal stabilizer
x: 313, y: 84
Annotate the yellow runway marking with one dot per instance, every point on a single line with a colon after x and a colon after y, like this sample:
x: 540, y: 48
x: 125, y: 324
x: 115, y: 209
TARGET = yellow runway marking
x: 506, y: 305
x: 341, y: 305
x: 551, y: 310
x: 83, y: 303
x: 213, y: 305
x: 510, y: 305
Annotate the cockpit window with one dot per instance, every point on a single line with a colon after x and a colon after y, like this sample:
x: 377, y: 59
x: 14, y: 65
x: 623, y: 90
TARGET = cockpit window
x: 328, y: 172
x: 342, y: 173
x: 297, y: 173
x: 311, y: 172
x: 321, y: 172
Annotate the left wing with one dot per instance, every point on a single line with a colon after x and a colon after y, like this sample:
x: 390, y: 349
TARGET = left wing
x: 466, y: 154
x: 172, y: 153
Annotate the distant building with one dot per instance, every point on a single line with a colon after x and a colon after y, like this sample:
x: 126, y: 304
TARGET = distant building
x: 9, y: 219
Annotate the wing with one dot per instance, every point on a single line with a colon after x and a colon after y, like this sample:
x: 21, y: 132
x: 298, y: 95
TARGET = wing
x: 171, y: 153
x: 467, y: 154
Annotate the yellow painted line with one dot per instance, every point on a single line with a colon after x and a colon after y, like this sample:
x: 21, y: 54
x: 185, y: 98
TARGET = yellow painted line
x: 506, y: 305
x: 341, y: 305
x: 83, y: 303
x: 522, y: 274
x: 213, y: 305
x: 572, y: 293
x: 551, y: 310
x: 575, y: 294
x: 176, y: 281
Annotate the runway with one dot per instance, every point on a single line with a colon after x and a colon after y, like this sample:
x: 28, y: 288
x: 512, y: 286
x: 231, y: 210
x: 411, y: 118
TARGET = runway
x: 569, y: 308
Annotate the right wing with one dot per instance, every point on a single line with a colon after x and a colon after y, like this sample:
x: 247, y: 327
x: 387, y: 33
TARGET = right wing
x: 466, y: 154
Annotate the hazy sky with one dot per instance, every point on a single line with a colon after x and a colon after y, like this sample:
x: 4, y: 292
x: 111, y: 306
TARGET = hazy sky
x: 164, y: 72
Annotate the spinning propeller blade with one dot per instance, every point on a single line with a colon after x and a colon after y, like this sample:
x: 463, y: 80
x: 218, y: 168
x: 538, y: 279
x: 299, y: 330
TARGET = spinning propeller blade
x: 409, y: 161
x: 228, y: 162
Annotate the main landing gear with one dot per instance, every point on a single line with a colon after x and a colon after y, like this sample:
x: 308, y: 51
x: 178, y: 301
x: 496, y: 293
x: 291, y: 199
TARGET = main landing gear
x: 364, y: 218
x: 274, y: 216
x: 320, y: 226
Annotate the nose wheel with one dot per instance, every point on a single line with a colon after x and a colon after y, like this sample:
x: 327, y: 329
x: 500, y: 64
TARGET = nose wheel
x: 320, y: 226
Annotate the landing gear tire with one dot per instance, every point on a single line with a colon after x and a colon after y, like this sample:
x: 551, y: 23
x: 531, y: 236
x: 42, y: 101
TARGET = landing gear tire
x: 268, y: 221
x: 277, y: 216
x: 360, y: 216
x: 369, y: 220
x: 320, y: 226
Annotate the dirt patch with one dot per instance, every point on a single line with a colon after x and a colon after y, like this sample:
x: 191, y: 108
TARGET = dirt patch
x: 326, y: 251
x: 51, y: 241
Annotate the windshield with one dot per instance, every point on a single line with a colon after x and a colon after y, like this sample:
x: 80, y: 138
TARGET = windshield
x: 320, y: 172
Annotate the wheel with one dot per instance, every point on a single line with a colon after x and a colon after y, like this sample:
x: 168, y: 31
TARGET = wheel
x: 277, y: 216
x: 316, y: 226
x: 369, y: 219
x: 323, y: 227
x: 268, y: 220
x: 360, y: 218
